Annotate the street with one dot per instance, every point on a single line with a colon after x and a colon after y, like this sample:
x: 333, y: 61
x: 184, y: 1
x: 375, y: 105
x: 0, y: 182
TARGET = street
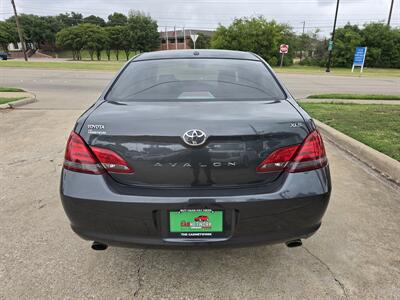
x: 62, y: 89
x: 355, y: 254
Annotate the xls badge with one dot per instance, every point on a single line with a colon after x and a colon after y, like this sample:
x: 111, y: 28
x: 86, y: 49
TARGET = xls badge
x: 296, y: 124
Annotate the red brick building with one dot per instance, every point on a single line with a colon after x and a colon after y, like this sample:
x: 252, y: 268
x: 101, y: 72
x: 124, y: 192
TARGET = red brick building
x: 179, y: 39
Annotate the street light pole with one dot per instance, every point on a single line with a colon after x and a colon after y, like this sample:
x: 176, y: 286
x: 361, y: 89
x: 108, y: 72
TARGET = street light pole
x: 390, y: 13
x: 21, y: 37
x: 328, y: 66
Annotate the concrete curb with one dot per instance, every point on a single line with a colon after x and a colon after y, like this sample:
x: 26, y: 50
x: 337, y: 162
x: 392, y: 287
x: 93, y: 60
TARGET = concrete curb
x: 14, y: 104
x: 383, y: 164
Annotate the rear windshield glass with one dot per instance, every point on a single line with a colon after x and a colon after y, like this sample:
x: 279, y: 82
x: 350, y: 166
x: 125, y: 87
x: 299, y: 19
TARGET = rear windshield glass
x: 195, y: 79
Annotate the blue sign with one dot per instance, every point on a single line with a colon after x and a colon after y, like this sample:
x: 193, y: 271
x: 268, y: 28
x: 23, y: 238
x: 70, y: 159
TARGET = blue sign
x: 359, y: 56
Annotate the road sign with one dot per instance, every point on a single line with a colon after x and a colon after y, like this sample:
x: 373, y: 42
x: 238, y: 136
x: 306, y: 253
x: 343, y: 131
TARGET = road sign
x: 283, y: 49
x: 330, y: 46
x: 359, y: 58
x: 194, y: 39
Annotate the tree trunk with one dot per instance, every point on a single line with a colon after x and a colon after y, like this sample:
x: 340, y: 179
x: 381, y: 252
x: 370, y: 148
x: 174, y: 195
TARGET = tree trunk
x: 127, y: 54
x: 91, y: 52
x: 117, y: 54
x: 4, y: 47
x: 108, y: 52
x: 98, y: 54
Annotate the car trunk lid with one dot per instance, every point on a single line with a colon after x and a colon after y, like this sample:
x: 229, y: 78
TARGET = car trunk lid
x: 240, y: 134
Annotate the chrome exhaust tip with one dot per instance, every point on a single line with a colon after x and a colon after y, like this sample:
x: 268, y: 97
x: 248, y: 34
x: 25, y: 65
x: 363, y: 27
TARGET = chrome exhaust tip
x: 294, y: 243
x: 98, y: 246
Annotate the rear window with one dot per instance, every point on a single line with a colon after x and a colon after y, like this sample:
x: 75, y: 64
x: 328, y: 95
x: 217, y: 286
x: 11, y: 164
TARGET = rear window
x: 195, y: 79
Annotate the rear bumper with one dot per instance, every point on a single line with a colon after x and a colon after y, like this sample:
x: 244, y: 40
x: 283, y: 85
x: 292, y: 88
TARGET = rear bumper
x: 100, y: 212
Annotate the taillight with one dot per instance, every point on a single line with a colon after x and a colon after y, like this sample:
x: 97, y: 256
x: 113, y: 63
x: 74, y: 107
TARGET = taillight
x: 311, y: 154
x: 277, y: 160
x: 308, y: 156
x: 111, y: 161
x: 79, y: 157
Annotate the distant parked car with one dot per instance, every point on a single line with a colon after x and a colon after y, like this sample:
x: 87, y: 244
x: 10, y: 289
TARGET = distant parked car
x: 3, y: 56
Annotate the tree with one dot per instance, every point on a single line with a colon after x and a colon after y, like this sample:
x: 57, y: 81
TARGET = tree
x: 383, y: 44
x: 71, y: 38
x: 83, y: 36
x: 95, y: 20
x: 51, y: 26
x: 38, y: 30
x: 316, y: 52
x: 116, y: 38
x: 70, y: 19
x: 347, y: 39
x: 8, y: 35
x: 256, y: 35
x: 117, y: 19
x: 305, y: 43
x: 143, y: 32
x: 94, y: 39
x: 126, y: 43
x: 203, y: 41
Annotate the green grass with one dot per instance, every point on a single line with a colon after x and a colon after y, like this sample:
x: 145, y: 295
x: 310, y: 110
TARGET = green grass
x: 10, y: 89
x: 6, y: 100
x: 374, y: 125
x: 373, y: 72
x: 85, y: 55
x: 355, y: 96
x: 114, y: 65
x: 66, y: 65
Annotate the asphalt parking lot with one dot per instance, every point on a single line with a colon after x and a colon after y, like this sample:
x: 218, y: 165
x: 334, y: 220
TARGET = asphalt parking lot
x: 355, y: 254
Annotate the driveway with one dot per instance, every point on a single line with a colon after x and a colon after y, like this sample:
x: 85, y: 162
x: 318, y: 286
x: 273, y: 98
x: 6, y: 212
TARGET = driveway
x: 355, y: 254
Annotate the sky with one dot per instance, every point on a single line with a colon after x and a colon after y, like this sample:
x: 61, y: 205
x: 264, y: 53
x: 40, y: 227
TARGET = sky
x: 207, y: 14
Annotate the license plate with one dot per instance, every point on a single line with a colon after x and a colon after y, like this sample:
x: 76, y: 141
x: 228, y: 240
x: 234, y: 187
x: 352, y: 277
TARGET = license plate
x: 193, y: 221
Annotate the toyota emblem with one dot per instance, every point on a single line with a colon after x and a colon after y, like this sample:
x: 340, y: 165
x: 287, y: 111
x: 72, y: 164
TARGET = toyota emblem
x: 194, y: 137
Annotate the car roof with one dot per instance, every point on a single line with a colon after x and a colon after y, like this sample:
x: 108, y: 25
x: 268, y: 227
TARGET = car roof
x: 198, y: 53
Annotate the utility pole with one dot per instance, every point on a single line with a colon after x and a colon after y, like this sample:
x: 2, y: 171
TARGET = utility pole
x: 166, y: 37
x: 176, y: 39
x: 21, y: 37
x: 328, y: 66
x: 184, y: 38
x: 301, y: 51
x: 390, y: 13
